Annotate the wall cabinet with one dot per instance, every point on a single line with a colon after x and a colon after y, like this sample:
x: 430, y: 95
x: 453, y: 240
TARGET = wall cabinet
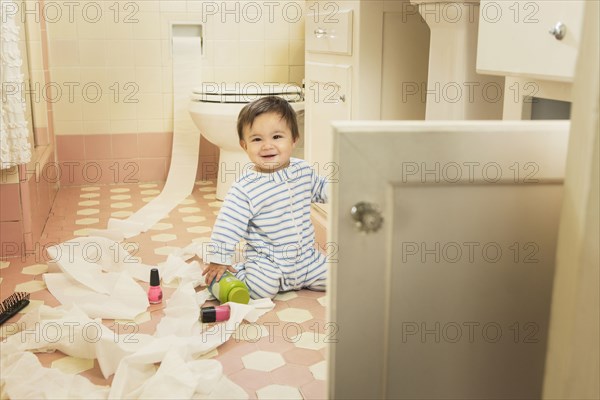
x: 328, y: 96
x: 356, y: 68
x: 535, y: 39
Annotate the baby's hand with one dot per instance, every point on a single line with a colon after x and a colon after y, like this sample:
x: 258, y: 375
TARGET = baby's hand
x: 213, y: 271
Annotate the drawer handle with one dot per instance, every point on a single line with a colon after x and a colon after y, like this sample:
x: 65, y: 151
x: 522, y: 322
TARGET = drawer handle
x: 558, y: 31
x: 320, y: 32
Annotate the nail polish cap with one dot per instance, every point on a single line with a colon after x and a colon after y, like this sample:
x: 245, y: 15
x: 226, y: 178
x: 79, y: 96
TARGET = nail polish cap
x: 154, y: 278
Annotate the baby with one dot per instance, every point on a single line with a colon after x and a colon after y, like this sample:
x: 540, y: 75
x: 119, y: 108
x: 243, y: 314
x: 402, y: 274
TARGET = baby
x: 269, y: 208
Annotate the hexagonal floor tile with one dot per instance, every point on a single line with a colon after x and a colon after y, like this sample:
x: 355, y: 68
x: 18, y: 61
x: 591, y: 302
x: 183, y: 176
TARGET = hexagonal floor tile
x: 285, y: 296
x: 319, y: 370
x: 73, y: 365
x: 165, y: 250
x: 121, y: 214
x: 161, y: 226
x: 189, y: 210
x: 120, y: 197
x: 30, y: 286
x: 201, y: 240
x: 87, y: 221
x: 89, y: 195
x: 88, y: 203
x: 279, y: 392
x: 88, y: 211
x: 199, y: 229
x: 121, y: 205
x: 187, y: 201
x: 297, y: 315
x: 250, y: 332
x: 163, y: 237
x: 263, y: 361
x: 299, y: 356
x: 309, y: 340
x: 35, y: 269
x: 323, y: 300
x: 194, y: 218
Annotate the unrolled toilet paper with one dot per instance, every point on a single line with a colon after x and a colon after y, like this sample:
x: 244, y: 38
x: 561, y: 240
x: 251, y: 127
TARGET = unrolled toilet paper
x: 186, y: 142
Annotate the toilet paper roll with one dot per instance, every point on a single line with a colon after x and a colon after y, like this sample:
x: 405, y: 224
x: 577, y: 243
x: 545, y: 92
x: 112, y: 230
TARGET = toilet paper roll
x: 186, y: 142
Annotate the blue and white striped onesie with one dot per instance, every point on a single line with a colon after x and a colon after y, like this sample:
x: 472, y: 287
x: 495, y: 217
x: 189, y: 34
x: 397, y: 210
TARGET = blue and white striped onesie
x: 271, y: 212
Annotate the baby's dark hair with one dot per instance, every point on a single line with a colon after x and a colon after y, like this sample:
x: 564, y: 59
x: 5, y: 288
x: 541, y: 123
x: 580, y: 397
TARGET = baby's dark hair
x: 268, y: 104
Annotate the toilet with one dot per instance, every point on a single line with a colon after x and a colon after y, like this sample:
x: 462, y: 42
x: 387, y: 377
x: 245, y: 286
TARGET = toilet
x: 214, y: 108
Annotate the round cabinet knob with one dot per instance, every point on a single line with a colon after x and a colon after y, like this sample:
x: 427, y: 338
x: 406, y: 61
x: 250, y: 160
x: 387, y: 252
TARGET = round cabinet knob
x: 558, y: 31
x: 367, y: 217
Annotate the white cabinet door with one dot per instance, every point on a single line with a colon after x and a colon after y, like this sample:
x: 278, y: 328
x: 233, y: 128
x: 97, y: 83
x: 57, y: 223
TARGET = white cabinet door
x: 450, y: 297
x: 327, y: 98
x: 515, y: 39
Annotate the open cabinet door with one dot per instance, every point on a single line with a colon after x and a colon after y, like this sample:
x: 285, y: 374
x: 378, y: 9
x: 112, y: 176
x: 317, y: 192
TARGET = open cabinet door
x: 450, y: 296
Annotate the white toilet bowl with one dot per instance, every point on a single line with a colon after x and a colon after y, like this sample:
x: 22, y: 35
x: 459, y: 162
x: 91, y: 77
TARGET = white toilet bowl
x: 214, y: 109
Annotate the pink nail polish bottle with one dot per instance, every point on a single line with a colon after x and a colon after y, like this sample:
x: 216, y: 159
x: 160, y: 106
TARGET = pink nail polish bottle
x: 154, y: 292
x: 215, y: 314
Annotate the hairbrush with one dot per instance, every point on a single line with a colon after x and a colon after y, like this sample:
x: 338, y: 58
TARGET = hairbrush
x: 12, y: 305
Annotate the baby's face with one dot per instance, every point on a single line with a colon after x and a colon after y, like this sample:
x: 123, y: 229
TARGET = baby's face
x: 268, y: 142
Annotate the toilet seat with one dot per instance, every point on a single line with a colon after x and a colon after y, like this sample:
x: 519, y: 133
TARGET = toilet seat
x: 211, y: 92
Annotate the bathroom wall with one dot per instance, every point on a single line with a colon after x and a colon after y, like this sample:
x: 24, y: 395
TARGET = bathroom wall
x: 27, y: 191
x: 110, y: 63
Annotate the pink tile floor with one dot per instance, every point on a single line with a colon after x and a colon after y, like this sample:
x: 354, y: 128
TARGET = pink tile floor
x: 282, y: 355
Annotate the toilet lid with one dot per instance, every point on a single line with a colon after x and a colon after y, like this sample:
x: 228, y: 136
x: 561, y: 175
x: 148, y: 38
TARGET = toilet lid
x: 213, y: 92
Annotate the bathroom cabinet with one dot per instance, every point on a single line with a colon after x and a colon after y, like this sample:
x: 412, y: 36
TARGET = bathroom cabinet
x: 356, y: 68
x: 535, y: 45
x: 534, y: 39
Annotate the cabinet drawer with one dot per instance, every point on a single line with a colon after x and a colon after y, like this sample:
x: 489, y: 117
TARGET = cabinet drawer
x: 515, y: 39
x: 328, y: 32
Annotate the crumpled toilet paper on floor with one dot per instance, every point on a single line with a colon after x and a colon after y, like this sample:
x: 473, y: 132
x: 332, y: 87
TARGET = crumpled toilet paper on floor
x: 177, y: 342
x: 98, y: 275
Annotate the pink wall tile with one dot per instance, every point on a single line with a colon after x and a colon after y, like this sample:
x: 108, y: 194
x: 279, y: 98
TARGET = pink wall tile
x: 153, y: 145
x: 126, y: 170
x: 10, y: 200
x: 11, y: 239
x: 72, y: 172
x: 115, y: 171
x: 98, y: 147
x: 70, y: 147
x: 153, y: 169
x: 125, y: 146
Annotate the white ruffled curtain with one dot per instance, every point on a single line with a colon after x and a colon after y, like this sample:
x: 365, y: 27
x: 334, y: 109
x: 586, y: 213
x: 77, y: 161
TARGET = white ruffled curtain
x: 15, y: 147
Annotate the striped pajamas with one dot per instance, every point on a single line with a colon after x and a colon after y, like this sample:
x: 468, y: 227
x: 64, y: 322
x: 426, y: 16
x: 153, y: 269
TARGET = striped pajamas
x: 271, y: 212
